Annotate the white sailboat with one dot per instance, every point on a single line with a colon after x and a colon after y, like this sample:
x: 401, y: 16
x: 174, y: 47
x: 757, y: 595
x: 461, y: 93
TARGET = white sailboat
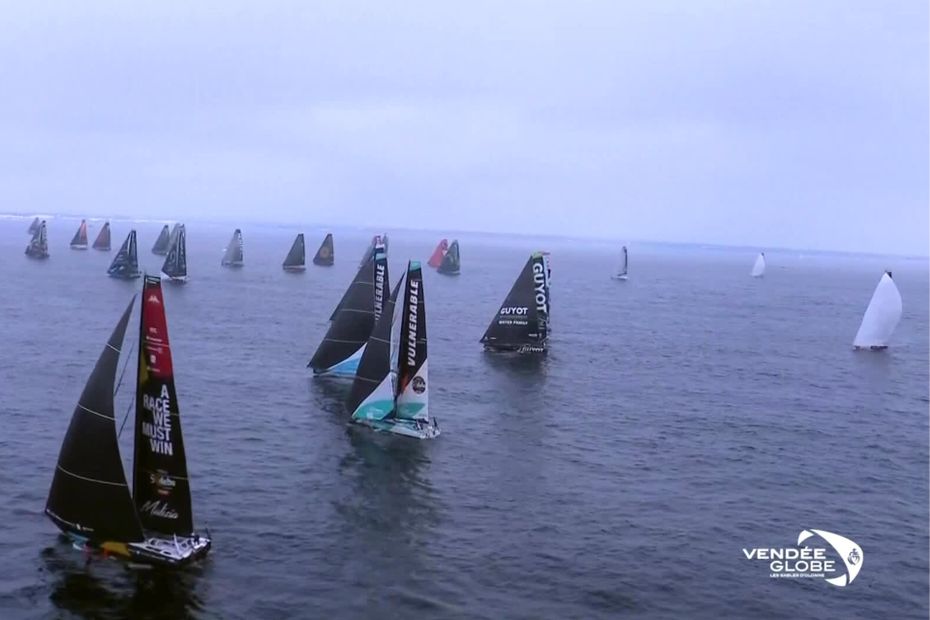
x: 758, y: 269
x: 881, y: 317
x: 624, y: 267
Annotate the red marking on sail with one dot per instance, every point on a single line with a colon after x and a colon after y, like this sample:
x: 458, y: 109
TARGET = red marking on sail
x: 155, y: 333
x: 436, y: 259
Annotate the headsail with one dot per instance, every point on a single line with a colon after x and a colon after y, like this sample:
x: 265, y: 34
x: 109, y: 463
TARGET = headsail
x: 160, y: 485
x: 758, y: 268
x: 79, y: 240
x: 38, y: 245
x: 163, y: 242
x: 89, y: 496
x: 325, y: 255
x: 366, y: 257
x: 102, y: 242
x: 412, y: 375
x: 522, y: 322
x: 625, y: 266
x: 34, y: 226
x: 175, y: 266
x: 126, y: 262
x: 296, y: 257
x: 881, y: 317
x: 436, y: 259
x: 232, y: 257
x: 451, y: 263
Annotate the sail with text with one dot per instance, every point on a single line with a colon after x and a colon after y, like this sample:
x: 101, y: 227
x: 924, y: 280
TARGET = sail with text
x: 881, y: 316
x: 296, y: 257
x: 160, y: 484
x: 353, y: 320
x: 175, y: 265
x: 102, y: 242
x: 758, y: 268
x: 436, y: 259
x: 325, y: 255
x: 451, y: 264
x: 232, y: 257
x: 624, y: 265
x: 79, y: 240
x: 522, y: 322
x: 162, y: 244
x: 34, y: 226
x: 38, y: 245
x: 125, y: 264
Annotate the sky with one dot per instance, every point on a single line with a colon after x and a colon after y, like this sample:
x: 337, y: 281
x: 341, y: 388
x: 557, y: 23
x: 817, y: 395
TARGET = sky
x: 782, y: 123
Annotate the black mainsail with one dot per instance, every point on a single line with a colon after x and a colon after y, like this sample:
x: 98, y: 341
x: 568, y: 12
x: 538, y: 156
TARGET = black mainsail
x: 79, y: 240
x: 233, y: 255
x: 175, y: 266
x: 522, y: 322
x: 325, y: 256
x: 38, y: 245
x: 125, y: 264
x: 89, y: 496
x: 411, y: 356
x: 160, y: 485
x: 451, y: 263
x: 162, y: 243
x: 102, y: 242
x: 297, y: 257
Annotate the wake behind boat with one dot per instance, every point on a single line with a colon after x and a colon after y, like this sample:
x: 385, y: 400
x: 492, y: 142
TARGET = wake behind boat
x: 102, y: 242
x: 89, y: 499
x: 79, y: 241
x: 125, y: 264
x: 38, y: 245
x: 522, y: 322
x: 881, y: 316
x: 624, y: 266
x: 296, y: 256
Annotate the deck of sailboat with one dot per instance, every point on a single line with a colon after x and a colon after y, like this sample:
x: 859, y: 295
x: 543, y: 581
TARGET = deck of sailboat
x: 407, y: 428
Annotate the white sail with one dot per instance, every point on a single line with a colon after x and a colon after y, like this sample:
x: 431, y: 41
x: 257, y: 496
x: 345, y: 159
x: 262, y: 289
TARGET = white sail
x: 624, y: 266
x: 758, y: 270
x: 881, y: 317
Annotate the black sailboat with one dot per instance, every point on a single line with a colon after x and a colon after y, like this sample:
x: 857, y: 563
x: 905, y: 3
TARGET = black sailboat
x: 102, y: 242
x: 162, y: 243
x: 79, y: 241
x: 175, y: 266
x: 351, y: 323
x: 296, y: 258
x: 232, y: 257
x: 522, y: 322
x: 34, y: 226
x: 89, y: 499
x: 38, y: 245
x: 125, y: 264
x: 325, y: 256
x: 451, y: 262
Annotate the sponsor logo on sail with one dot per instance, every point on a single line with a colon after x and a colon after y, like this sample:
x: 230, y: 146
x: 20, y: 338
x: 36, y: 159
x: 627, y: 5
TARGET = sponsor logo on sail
x: 158, y: 431
x: 412, y: 323
x: 518, y: 310
x: 153, y: 299
x: 163, y: 483
x: 419, y: 384
x: 812, y: 561
x: 380, y: 268
x: 159, y: 509
x: 539, y: 282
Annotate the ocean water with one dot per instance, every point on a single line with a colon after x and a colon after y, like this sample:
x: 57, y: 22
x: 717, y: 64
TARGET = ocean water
x: 680, y: 416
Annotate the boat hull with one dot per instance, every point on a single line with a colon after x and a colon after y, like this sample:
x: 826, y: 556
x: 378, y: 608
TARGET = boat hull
x: 78, y: 247
x: 521, y: 348
x: 294, y: 269
x: 153, y: 552
x: 406, y: 428
x: 233, y: 264
x: 126, y: 276
x: 874, y: 347
x: 620, y: 278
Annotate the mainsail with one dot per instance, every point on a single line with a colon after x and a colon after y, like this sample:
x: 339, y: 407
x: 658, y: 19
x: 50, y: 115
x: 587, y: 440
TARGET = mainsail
x: 163, y: 242
x: 881, y: 317
x: 624, y: 266
x: 451, y: 263
x: 412, y: 384
x: 102, y: 242
x: 34, y: 226
x: 296, y: 257
x: 232, y: 257
x: 89, y: 497
x: 758, y: 268
x: 436, y: 259
x: 522, y: 322
x: 325, y: 255
x: 366, y: 257
x: 175, y: 266
x: 126, y: 262
x: 38, y: 245
x: 354, y: 319
x: 160, y: 485
x: 79, y: 240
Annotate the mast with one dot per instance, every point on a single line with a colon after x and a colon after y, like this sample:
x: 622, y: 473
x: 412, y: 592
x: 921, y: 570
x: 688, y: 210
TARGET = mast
x: 79, y: 241
x: 451, y: 262
x: 126, y: 262
x: 232, y: 257
x: 296, y: 257
x: 412, y: 383
x: 522, y: 322
x: 161, y: 488
x: 436, y: 258
x: 624, y: 269
x: 175, y: 265
x: 89, y: 496
x: 163, y: 242
x: 325, y: 256
x: 103, y: 238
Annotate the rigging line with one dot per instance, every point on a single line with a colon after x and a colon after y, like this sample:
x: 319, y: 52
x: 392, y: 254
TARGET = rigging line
x: 125, y: 417
x: 119, y: 383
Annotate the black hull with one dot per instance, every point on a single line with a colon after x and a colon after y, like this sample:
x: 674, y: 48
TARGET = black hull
x: 457, y: 272
x: 323, y: 263
x: 37, y: 255
x: 299, y: 269
x: 523, y: 349
x: 236, y: 265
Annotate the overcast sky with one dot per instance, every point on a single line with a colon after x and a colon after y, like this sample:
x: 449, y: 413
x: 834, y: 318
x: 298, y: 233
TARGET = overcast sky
x: 771, y: 123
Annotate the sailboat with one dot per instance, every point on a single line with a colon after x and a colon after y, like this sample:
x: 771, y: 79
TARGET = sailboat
x: 102, y: 242
x: 125, y: 264
x: 391, y: 393
x: 366, y: 257
x: 351, y: 323
x: 758, y: 269
x: 881, y: 317
x: 175, y: 265
x: 325, y: 255
x: 624, y: 266
x: 451, y: 264
x: 38, y: 245
x: 522, y: 322
x: 79, y: 240
x: 90, y: 500
x: 436, y: 258
x: 296, y: 258
x: 163, y: 242
x: 34, y: 226
x: 232, y: 257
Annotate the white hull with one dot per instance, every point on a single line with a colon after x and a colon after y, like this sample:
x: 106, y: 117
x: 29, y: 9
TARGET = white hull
x: 407, y: 428
x: 622, y: 278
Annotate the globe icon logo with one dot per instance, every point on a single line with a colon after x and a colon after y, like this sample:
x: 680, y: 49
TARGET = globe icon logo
x: 854, y: 557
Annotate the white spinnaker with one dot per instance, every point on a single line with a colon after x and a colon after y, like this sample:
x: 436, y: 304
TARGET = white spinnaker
x: 881, y: 317
x: 758, y: 269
